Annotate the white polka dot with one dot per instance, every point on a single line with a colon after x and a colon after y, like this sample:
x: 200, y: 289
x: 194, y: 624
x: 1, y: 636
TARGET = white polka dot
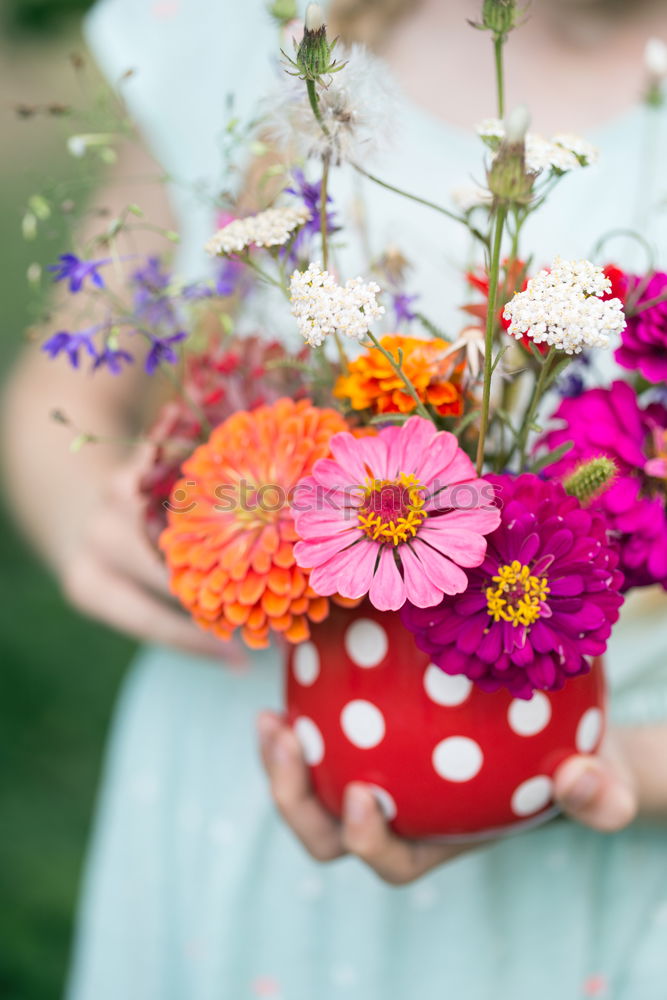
x: 527, y: 718
x: 385, y: 801
x: 457, y: 758
x: 445, y: 689
x: 589, y: 730
x: 310, y: 739
x: 306, y: 663
x: 366, y: 643
x: 532, y: 795
x: 363, y: 724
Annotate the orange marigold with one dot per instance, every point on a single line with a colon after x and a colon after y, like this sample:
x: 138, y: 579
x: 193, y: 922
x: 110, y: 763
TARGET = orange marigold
x: 372, y: 384
x: 230, y: 535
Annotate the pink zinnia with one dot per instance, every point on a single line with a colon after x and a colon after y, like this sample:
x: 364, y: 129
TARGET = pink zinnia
x: 394, y: 516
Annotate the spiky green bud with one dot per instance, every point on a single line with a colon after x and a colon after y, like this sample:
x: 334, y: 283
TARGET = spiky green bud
x: 499, y: 17
x: 590, y: 479
x: 314, y: 54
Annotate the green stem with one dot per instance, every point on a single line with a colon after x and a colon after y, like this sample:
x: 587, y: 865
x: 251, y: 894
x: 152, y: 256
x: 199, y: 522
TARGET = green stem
x: 323, y: 211
x: 529, y: 417
x: 264, y: 275
x: 315, y: 105
x: 419, y: 406
x: 498, y: 43
x: 417, y: 198
x: 494, y: 274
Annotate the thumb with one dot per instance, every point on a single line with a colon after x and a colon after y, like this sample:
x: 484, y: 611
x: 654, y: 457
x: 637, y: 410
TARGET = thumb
x: 595, y: 792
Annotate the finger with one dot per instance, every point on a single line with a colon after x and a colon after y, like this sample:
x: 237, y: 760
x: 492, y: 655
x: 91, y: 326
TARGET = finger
x: 121, y: 603
x: 366, y: 834
x: 117, y: 537
x: 594, y: 792
x: 292, y: 791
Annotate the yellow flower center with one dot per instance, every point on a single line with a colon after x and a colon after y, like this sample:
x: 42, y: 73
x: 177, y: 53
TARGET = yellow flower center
x: 392, y: 511
x: 516, y: 596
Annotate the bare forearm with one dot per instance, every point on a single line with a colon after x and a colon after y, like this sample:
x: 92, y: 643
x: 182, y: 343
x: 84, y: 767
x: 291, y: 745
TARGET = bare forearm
x: 644, y: 749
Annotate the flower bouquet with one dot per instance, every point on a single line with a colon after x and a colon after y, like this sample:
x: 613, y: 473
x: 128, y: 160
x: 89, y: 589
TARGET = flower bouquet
x: 442, y: 574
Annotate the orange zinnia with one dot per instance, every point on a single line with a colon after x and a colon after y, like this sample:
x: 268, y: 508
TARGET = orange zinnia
x: 372, y: 384
x: 230, y: 535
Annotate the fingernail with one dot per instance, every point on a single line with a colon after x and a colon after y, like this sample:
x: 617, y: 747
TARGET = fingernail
x: 356, y: 804
x: 583, y: 789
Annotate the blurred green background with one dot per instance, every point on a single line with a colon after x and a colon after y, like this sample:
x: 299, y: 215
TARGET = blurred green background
x: 59, y: 674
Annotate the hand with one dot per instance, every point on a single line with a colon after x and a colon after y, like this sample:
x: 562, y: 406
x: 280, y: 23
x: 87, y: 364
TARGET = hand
x: 599, y: 791
x: 363, y: 830
x: 596, y: 791
x: 116, y: 576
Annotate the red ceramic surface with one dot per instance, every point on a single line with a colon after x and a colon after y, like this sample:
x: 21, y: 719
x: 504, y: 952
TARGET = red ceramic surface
x: 446, y: 758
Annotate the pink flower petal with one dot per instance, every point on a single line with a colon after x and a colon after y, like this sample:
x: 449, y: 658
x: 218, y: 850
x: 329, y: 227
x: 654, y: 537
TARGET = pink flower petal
x: 419, y: 587
x: 438, y: 459
x: 464, y: 494
x: 315, y: 553
x: 463, y: 546
x: 413, y: 441
x: 373, y: 453
x: 440, y: 570
x: 329, y: 475
x: 387, y: 591
x: 353, y: 570
x: 481, y: 519
x: 311, y: 524
x: 345, y: 450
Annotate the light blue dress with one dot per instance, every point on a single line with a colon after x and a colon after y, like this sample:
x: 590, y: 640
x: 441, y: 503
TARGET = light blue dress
x: 195, y: 890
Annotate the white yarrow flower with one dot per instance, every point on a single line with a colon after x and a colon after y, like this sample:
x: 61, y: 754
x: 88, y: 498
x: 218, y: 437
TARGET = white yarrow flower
x: 321, y: 306
x: 270, y: 228
x: 563, y: 307
x: 358, y: 107
x: 562, y: 153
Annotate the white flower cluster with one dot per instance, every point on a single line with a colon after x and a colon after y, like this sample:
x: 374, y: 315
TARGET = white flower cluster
x: 270, y: 228
x: 561, y: 153
x: 563, y: 307
x: 321, y: 306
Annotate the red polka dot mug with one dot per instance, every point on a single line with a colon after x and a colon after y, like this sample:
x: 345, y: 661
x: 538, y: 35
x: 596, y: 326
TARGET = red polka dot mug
x: 445, y: 758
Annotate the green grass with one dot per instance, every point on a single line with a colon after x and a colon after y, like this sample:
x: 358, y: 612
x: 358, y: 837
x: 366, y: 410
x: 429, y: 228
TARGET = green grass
x: 58, y: 678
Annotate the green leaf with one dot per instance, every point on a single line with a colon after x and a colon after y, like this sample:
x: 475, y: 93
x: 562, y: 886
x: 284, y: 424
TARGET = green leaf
x: 390, y: 418
x: 552, y: 456
x: 466, y: 421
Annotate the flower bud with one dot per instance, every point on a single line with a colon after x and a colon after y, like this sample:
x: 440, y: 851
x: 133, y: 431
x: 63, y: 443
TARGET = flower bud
x: 508, y: 178
x: 313, y: 56
x: 655, y: 61
x: 314, y: 17
x: 590, y: 479
x: 498, y: 16
x: 655, y: 58
x: 516, y: 124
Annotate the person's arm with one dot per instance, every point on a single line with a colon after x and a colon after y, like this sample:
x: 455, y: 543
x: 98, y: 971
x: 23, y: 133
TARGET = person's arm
x: 82, y: 510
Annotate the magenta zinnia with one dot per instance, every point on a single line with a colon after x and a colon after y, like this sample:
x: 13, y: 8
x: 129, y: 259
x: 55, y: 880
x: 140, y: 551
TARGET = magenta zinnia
x: 541, y: 603
x: 611, y: 422
x: 394, y: 516
x: 644, y: 340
